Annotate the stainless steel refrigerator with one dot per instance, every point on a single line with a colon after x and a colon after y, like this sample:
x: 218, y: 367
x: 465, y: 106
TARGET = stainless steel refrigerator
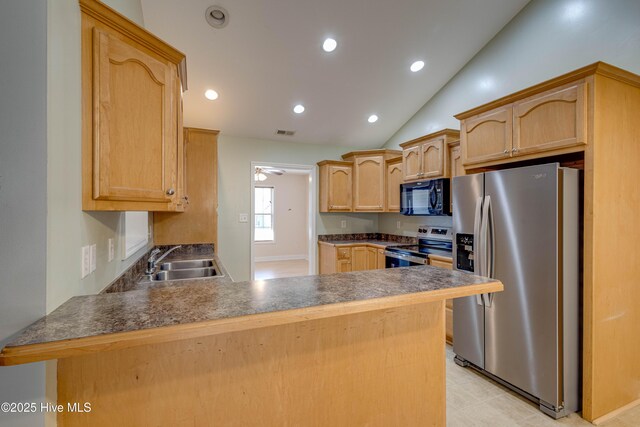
x: 521, y: 226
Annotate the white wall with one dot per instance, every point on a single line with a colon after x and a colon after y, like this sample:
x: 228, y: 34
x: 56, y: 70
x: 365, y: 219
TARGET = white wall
x: 547, y: 38
x: 235, y: 155
x: 23, y: 193
x: 68, y: 227
x: 291, y: 218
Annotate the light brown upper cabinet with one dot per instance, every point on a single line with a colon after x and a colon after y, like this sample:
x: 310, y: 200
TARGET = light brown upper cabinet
x: 553, y: 121
x: 487, y: 136
x: 132, y: 127
x: 426, y: 157
x: 199, y: 222
x: 394, y: 179
x: 455, y: 164
x: 336, y: 183
x: 369, y: 178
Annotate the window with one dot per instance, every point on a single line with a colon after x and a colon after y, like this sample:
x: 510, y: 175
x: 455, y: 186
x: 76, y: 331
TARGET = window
x: 263, y: 214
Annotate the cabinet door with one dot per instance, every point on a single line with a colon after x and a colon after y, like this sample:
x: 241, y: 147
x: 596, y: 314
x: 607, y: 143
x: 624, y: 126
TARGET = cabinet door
x: 381, y: 259
x: 372, y: 258
x: 134, y: 139
x: 455, y: 166
x: 487, y: 137
x: 433, y: 159
x: 359, y: 258
x: 340, y: 187
x: 394, y: 179
x: 344, y: 266
x: 412, y: 163
x: 551, y: 120
x: 369, y: 183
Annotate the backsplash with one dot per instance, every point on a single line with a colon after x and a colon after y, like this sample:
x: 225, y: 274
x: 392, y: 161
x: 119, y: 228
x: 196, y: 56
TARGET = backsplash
x: 368, y: 236
x: 388, y: 223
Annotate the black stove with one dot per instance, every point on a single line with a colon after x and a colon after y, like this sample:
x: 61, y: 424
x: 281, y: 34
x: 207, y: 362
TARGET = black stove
x: 431, y: 241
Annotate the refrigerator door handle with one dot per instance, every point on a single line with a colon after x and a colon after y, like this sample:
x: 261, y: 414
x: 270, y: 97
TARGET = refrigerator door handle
x: 486, y: 239
x: 490, y: 253
x: 477, y: 242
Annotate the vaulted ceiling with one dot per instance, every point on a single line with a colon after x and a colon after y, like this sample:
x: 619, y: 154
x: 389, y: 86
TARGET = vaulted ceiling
x: 269, y: 58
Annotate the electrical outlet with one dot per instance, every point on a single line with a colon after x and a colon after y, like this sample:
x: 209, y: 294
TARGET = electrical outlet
x: 92, y: 263
x: 398, y: 225
x: 111, y: 250
x: 343, y: 223
x: 243, y: 217
x: 86, y: 261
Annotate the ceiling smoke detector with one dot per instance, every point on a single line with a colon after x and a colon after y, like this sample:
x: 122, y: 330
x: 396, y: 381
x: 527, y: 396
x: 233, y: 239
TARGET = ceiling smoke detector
x: 217, y: 16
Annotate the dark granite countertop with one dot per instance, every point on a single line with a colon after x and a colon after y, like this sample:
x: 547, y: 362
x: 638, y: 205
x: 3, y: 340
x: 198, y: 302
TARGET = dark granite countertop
x: 364, y: 242
x: 207, y: 300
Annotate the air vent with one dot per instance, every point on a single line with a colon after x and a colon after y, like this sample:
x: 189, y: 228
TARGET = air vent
x: 285, y: 132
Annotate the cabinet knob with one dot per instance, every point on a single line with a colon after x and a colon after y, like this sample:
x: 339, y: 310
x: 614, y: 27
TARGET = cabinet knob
x: 330, y: 206
x: 505, y: 151
x: 514, y: 150
x: 171, y: 192
x: 380, y: 206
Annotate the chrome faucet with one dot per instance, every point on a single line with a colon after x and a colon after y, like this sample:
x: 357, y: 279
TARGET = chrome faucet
x: 152, y: 261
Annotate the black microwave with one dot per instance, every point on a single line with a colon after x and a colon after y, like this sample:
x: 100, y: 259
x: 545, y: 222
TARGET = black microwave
x: 425, y: 197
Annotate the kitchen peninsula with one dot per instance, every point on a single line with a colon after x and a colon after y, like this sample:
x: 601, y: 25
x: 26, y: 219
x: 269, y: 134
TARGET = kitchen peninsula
x: 360, y: 348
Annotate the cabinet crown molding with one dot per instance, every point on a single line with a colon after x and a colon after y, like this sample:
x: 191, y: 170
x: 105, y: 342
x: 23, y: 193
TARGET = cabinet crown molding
x: 378, y: 152
x: 108, y: 16
x: 452, y: 133
x: 601, y: 68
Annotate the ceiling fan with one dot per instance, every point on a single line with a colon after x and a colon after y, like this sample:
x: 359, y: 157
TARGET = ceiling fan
x: 262, y: 170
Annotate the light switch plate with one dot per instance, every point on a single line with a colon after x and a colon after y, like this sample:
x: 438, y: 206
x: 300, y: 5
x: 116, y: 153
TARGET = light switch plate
x: 398, y: 224
x: 111, y: 250
x: 243, y: 217
x: 92, y: 263
x: 343, y: 223
x: 86, y: 261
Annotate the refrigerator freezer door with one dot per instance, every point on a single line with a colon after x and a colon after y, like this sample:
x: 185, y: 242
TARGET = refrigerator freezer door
x: 521, y: 325
x: 468, y: 318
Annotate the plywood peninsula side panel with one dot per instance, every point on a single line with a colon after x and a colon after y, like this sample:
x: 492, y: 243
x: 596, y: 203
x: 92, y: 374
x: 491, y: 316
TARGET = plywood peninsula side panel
x: 379, y: 368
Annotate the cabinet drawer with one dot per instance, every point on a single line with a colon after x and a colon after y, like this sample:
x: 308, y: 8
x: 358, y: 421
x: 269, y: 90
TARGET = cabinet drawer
x: 550, y: 120
x: 441, y: 264
x: 344, y: 253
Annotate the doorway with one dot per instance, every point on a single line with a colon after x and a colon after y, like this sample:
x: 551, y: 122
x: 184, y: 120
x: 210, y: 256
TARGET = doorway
x: 282, y: 220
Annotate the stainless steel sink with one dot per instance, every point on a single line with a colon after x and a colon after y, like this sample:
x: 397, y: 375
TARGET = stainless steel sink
x: 185, y: 273
x: 187, y: 264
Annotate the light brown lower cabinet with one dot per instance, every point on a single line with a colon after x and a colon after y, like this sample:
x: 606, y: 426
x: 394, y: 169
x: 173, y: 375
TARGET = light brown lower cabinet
x: 443, y: 262
x: 352, y: 257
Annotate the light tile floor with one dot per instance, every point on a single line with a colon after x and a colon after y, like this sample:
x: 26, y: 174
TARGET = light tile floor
x: 476, y: 401
x: 274, y: 269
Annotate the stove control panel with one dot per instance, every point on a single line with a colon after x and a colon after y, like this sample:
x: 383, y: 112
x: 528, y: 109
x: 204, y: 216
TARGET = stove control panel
x: 435, y: 233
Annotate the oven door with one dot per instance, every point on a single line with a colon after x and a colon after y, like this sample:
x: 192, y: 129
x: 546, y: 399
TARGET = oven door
x: 398, y: 259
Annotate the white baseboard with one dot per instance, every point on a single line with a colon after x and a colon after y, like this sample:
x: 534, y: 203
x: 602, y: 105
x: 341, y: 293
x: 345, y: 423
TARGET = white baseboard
x: 280, y: 258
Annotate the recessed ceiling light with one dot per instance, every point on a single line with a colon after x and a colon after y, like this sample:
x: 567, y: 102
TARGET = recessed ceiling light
x: 211, y: 95
x: 372, y: 118
x: 217, y: 16
x: 329, y: 45
x: 298, y: 109
x: 417, y: 66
